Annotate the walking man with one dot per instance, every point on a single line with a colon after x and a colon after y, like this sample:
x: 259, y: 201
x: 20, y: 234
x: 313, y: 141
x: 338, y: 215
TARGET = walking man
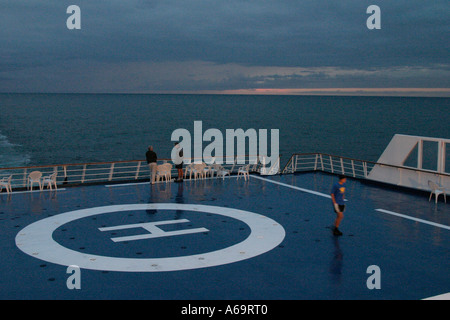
x: 338, y: 196
x: 151, y: 160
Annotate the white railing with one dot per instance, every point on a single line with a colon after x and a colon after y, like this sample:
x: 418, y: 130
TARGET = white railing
x: 328, y: 163
x: 104, y: 172
x: 361, y: 169
x: 135, y: 170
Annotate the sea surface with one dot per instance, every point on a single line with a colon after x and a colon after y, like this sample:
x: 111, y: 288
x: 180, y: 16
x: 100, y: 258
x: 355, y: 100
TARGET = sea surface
x: 48, y: 129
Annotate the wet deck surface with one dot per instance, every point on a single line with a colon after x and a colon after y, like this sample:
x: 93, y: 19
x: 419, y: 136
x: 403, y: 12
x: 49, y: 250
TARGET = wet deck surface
x: 264, y: 239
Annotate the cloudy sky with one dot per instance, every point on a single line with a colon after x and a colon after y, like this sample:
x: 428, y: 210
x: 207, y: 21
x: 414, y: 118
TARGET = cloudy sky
x: 232, y: 46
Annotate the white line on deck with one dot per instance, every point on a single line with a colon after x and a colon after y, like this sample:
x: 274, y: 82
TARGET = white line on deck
x: 147, y: 182
x: 125, y: 184
x: 445, y: 296
x: 294, y: 187
x: 34, y: 191
x: 414, y: 219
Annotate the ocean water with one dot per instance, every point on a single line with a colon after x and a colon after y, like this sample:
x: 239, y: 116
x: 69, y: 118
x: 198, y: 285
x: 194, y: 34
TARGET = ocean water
x: 46, y: 129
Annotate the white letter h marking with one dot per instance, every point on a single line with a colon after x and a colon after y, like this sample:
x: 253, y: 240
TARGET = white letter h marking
x: 151, y: 227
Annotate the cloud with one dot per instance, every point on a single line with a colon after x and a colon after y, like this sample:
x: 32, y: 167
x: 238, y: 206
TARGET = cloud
x: 141, y: 45
x: 170, y: 76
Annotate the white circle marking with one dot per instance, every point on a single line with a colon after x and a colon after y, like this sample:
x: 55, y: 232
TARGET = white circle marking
x: 36, y: 240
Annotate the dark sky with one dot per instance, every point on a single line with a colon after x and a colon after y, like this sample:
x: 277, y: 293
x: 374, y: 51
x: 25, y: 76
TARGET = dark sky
x: 200, y: 45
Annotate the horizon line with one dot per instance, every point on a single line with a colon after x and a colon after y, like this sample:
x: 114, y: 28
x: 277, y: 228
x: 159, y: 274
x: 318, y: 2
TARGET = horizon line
x: 395, y: 92
x: 428, y: 92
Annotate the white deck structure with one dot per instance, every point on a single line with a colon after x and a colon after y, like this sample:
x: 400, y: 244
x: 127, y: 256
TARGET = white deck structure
x: 394, y: 164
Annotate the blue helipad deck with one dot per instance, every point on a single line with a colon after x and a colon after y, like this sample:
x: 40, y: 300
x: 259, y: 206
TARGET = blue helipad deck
x: 266, y: 238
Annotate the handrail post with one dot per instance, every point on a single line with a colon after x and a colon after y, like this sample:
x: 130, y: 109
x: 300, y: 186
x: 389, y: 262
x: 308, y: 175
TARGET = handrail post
x: 83, y: 175
x: 353, y: 169
x: 65, y: 174
x: 288, y: 166
x: 25, y: 181
x: 293, y: 159
x: 111, y: 171
x: 137, y: 170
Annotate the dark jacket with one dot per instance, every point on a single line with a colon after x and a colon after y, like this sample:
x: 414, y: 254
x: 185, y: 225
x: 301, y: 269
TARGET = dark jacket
x: 151, y: 156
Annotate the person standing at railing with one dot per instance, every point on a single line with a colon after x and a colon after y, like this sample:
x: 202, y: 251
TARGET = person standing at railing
x: 152, y: 158
x: 338, y: 198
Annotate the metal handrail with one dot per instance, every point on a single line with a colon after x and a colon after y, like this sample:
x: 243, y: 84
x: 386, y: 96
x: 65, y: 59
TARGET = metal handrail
x: 364, y: 163
x: 109, y: 171
x: 401, y: 176
x: 128, y: 170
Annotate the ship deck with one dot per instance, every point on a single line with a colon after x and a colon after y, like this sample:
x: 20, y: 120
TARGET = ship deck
x: 268, y: 238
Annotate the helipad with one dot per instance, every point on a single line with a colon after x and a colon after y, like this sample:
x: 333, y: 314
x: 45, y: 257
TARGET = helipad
x: 267, y: 238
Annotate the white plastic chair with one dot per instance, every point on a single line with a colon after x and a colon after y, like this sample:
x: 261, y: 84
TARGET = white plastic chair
x: 34, y: 177
x: 211, y: 168
x: 208, y: 171
x: 168, y: 171
x: 437, y: 189
x: 50, y: 181
x: 164, y: 170
x: 6, y: 182
x: 221, y: 171
x: 160, y: 172
x: 199, y: 170
x: 189, y: 169
x: 244, y: 171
